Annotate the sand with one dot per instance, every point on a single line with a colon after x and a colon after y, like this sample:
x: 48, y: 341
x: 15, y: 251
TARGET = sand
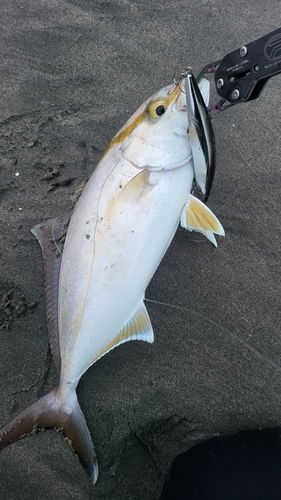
x: 72, y: 72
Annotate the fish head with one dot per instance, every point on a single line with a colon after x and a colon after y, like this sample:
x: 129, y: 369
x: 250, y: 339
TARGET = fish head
x: 156, y: 136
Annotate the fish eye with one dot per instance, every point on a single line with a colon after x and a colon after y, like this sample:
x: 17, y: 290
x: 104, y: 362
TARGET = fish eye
x: 160, y: 110
x: 156, y: 109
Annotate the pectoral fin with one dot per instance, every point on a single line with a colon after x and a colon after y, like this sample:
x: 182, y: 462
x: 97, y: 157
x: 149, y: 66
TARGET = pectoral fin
x: 196, y: 216
x: 136, y: 188
x: 138, y: 328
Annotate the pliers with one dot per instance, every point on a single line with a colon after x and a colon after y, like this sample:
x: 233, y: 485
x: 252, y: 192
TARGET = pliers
x: 239, y: 77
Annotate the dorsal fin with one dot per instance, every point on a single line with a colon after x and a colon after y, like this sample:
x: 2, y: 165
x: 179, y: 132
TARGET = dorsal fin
x: 50, y: 235
x: 196, y: 216
x: 76, y: 193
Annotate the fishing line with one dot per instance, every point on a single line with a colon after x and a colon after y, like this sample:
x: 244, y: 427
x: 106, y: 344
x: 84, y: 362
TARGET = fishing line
x: 234, y: 336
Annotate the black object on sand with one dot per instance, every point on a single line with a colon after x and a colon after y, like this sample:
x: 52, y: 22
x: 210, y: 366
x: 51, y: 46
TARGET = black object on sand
x: 243, y: 466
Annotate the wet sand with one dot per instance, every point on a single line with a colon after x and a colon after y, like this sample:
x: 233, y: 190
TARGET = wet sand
x: 71, y: 74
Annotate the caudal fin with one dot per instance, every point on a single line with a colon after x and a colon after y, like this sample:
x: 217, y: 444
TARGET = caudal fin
x: 67, y: 417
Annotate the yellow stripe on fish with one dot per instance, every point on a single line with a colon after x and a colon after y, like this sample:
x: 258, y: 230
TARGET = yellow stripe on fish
x: 147, y: 110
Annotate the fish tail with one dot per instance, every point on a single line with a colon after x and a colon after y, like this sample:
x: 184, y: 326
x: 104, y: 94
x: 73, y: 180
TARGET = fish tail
x: 64, y: 415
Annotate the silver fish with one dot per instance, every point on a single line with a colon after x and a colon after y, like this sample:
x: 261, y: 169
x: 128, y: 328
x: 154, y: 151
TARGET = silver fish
x: 120, y: 229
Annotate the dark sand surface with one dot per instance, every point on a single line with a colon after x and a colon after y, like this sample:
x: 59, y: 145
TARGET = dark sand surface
x: 71, y: 73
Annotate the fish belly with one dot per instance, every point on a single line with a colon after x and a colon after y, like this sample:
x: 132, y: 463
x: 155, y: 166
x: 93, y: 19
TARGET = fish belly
x: 115, y: 242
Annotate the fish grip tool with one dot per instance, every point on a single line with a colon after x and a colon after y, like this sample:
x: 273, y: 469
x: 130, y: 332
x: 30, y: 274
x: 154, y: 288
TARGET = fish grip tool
x: 242, y: 74
x: 239, y: 77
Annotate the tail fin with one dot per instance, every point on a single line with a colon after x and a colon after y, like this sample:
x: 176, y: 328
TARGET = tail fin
x: 65, y: 416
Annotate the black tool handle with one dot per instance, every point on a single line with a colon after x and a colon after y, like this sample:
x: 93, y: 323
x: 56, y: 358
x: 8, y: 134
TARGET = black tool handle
x: 242, y: 74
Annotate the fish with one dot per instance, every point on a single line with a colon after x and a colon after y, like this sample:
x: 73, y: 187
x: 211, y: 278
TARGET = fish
x: 99, y: 263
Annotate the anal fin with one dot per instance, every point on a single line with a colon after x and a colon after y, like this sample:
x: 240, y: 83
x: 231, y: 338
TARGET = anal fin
x: 137, y: 328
